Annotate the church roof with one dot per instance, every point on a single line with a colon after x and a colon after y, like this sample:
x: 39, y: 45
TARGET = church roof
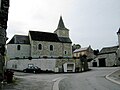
x: 46, y: 36
x: 107, y: 50
x: 65, y: 40
x: 61, y: 24
x: 19, y: 39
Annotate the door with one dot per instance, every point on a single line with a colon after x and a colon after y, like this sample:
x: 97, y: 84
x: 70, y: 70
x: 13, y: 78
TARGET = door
x: 102, y: 62
x: 94, y: 64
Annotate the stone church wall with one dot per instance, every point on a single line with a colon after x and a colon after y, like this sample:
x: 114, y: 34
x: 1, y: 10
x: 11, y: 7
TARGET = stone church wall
x: 58, y: 49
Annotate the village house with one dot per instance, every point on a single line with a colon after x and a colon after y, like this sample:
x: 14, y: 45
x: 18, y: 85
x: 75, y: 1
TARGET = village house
x: 88, y: 51
x: 49, y: 51
x: 107, y: 57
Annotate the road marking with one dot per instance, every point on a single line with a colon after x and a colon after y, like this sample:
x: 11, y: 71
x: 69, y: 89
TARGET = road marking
x: 56, y: 83
x: 112, y: 79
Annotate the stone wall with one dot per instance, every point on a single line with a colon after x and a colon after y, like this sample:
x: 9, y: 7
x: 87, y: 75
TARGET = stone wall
x: 12, y: 51
x: 58, y: 49
x: 44, y: 64
x: 62, y: 33
x: 110, y: 59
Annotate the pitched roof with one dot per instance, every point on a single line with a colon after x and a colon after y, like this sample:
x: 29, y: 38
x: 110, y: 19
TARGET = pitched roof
x: 61, y: 24
x: 107, y: 50
x: 19, y: 39
x: 80, y: 49
x: 65, y: 40
x: 45, y: 36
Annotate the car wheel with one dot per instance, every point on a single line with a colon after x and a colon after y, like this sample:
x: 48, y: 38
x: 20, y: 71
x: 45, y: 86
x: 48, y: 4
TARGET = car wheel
x: 24, y: 71
x: 34, y: 71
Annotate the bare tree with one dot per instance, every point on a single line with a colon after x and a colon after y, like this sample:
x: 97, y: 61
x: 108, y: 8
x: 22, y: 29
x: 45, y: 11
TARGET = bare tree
x: 4, y: 6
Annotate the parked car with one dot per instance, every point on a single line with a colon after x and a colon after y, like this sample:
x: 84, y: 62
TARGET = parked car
x: 32, y: 69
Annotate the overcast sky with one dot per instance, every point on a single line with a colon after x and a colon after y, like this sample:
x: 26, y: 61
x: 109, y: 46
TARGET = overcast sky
x: 91, y: 22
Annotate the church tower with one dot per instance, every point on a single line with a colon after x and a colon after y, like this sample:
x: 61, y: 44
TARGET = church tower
x: 61, y: 30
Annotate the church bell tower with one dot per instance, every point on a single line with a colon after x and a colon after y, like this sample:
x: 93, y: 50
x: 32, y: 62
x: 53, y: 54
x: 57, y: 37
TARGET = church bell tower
x: 61, y: 30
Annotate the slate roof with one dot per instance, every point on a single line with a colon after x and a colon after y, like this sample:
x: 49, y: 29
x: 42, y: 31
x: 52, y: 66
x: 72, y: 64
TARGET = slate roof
x: 19, y: 39
x: 108, y: 50
x: 46, y: 36
x: 65, y: 40
x: 81, y: 49
x: 61, y: 24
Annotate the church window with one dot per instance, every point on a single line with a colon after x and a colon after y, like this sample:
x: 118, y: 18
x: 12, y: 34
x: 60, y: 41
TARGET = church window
x: 51, y: 47
x: 40, y: 47
x: 65, y: 52
x: 18, y: 47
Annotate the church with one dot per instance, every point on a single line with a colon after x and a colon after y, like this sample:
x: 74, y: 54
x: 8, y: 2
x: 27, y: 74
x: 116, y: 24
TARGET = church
x: 40, y: 44
x: 49, y: 51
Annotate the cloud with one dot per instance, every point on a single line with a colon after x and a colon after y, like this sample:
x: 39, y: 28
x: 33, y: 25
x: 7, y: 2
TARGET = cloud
x: 92, y: 22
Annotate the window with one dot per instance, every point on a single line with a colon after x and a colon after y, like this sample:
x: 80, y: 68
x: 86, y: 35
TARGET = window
x: 65, y: 52
x: 51, y: 47
x: 40, y: 47
x: 18, y: 47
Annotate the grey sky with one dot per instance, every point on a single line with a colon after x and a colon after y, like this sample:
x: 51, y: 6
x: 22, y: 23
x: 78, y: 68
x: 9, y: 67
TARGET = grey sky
x: 91, y: 22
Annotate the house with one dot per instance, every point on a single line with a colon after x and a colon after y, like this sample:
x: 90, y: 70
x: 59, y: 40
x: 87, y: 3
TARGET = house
x: 49, y: 51
x: 107, y: 57
x: 88, y: 51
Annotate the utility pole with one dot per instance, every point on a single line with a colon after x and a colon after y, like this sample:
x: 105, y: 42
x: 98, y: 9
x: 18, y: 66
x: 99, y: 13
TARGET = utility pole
x: 4, y: 6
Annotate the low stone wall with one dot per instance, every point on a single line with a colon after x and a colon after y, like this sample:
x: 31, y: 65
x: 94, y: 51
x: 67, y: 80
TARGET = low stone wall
x: 44, y: 64
x: 20, y: 64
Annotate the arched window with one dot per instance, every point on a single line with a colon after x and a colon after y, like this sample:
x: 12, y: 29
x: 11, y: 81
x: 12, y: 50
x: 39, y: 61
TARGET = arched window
x: 40, y: 47
x: 51, y: 47
x: 18, y: 47
x: 65, y: 52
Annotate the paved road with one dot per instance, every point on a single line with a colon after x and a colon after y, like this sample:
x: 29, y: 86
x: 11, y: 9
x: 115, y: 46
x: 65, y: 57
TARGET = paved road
x: 92, y: 80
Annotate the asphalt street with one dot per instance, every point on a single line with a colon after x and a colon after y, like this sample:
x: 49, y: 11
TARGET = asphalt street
x: 91, y: 80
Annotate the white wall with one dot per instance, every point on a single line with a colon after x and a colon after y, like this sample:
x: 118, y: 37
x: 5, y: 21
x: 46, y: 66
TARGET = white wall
x: 21, y: 64
x: 71, y: 68
x: 12, y: 51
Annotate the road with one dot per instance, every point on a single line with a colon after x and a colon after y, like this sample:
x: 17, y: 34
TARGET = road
x: 91, y: 80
